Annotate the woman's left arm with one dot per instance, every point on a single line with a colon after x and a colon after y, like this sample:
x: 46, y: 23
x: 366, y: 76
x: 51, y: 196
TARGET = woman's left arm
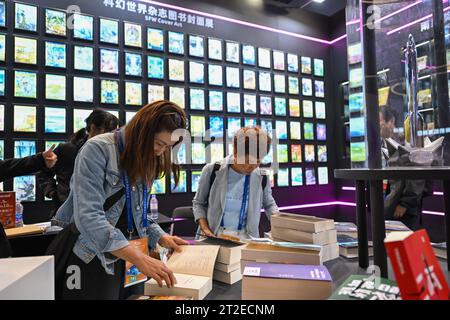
x: 158, y: 235
x: 269, y: 204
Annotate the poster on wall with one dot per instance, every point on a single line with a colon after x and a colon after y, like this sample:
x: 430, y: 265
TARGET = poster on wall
x: 306, y: 65
x: 109, y: 91
x: 2, y: 82
x: 296, y: 177
x: 308, y: 110
x: 25, y: 17
x: 2, y: 117
x: 250, y: 103
x: 280, y: 106
x: 197, y: 126
x: 155, y: 93
x: 293, y: 85
x: 264, y: 58
x: 265, y: 81
x: 282, y: 153
x: 283, y: 177
x: 133, y: 64
x: 83, y: 27
x: 296, y: 153
x: 55, y: 87
x: 281, y: 127
x: 25, y: 84
x: 233, y: 102
x: 265, y: 105
x: 197, y: 99
x: 155, y: 67
x: 196, y: 72
x: 109, y: 61
x: 83, y: 58
x: 182, y: 183
x: 55, y: 22
x: 320, y: 110
x: 215, y: 76
x: 279, y: 83
x: 55, y: 120
x: 155, y: 39
x: 319, y: 89
x: 232, y: 76
x: 322, y: 175
x: 248, y: 55
x: 79, y: 117
x: 310, y: 175
x: 25, y: 50
x: 295, y: 130
x: 24, y: 148
x: 2, y: 47
x: 310, y: 153
x: 278, y: 60
x: 232, y: 51
x: 214, y: 49
x: 196, y: 46
x: 177, y: 95
x: 159, y: 186
x: 216, y: 126
x: 292, y: 62
x: 249, y: 78
x: 198, y: 153
x: 294, y: 107
x: 83, y: 89
x: 24, y: 118
x: 322, y: 153
x: 307, y: 89
x: 133, y: 93
x: 215, y: 100
x: 2, y: 14
x: 176, y: 42
x: 109, y: 31
x: 132, y: 34
x: 318, y: 68
x: 55, y: 54
x: 25, y: 188
x: 176, y: 70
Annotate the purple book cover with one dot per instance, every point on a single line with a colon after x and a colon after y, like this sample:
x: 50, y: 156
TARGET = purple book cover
x: 287, y: 271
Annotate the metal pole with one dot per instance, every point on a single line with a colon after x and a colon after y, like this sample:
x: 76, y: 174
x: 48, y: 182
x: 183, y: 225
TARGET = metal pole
x: 361, y: 221
x: 378, y: 226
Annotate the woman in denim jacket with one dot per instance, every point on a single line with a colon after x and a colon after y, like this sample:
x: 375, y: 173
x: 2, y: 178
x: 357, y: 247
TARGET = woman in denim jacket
x: 100, y: 172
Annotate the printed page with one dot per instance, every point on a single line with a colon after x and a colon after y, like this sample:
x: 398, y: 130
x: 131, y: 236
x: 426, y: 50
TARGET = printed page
x: 195, y: 260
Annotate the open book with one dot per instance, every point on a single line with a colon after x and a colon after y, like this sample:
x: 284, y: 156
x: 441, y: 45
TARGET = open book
x: 193, y: 268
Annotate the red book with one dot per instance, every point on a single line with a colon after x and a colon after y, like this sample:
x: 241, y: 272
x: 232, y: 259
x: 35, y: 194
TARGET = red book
x: 417, y: 271
x: 8, y: 209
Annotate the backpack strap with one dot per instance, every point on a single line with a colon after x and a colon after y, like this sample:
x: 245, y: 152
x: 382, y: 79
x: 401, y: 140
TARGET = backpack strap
x: 264, y: 182
x: 212, y: 178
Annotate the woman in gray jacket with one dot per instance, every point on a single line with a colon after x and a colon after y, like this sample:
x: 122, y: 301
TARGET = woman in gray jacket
x: 232, y: 193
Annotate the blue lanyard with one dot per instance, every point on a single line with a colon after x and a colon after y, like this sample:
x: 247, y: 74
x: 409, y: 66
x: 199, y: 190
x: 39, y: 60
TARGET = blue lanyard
x: 243, y: 214
x: 126, y: 182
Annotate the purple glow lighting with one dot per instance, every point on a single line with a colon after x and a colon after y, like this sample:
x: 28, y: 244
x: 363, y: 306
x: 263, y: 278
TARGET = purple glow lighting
x: 437, y: 193
x: 341, y: 203
x: 399, y: 11
x: 348, y: 188
x: 338, y: 39
x: 414, y: 22
x: 244, y: 23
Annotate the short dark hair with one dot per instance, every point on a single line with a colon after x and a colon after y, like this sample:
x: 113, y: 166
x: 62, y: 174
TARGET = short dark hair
x: 388, y: 113
x: 101, y: 119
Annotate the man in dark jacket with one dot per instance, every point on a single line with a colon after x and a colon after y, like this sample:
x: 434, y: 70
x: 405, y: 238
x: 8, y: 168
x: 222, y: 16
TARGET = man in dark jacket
x: 20, y: 167
x: 403, y: 201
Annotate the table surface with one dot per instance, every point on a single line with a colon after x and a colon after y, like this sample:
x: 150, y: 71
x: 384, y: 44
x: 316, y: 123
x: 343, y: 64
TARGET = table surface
x: 411, y: 173
x: 340, y: 269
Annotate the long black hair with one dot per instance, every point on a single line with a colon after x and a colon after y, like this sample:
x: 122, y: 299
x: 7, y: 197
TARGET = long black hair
x: 101, y: 119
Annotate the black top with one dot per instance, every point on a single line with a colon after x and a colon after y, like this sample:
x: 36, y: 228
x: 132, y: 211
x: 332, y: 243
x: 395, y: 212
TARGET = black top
x: 55, y: 182
x: 19, y: 167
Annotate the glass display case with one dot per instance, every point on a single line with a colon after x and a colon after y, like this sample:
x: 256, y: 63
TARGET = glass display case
x: 404, y: 45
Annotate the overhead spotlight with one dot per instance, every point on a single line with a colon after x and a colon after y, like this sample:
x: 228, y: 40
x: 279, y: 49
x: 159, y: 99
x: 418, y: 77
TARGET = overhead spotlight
x: 319, y: 1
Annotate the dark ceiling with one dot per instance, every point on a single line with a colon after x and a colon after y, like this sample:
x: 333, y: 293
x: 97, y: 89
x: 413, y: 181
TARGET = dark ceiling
x: 327, y: 8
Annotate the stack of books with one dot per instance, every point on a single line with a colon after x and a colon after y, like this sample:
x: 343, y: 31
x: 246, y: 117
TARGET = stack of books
x: 306, y: 229
x: 266, y: 281
x: 268, y: 251
x: 227, y: 268
x: 348, y: 246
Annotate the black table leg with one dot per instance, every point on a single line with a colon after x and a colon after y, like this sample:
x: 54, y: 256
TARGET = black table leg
x: 378, y: 226
x: 361, y: 221
x: 447, y: 217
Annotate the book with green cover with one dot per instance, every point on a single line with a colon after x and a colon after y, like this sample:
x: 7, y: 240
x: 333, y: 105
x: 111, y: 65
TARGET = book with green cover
x: 365, y: 287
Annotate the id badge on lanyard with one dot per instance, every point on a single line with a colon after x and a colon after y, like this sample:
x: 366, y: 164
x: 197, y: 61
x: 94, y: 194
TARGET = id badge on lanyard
x: 132, y: 274
x: 240, y: 233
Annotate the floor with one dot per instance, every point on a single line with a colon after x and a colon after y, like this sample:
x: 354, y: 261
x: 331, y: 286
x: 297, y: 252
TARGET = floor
x: 340, y: 269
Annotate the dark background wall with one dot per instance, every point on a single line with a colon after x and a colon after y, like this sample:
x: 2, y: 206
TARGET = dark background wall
x: 298, y: 21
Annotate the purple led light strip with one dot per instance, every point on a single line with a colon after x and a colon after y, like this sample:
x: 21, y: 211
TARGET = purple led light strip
x: 341, y: 203
x: 245, y: 23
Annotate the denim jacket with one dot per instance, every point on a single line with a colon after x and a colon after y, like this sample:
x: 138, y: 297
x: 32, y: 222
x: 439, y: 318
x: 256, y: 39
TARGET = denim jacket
x: 96, y: 177
x: 212, y: 208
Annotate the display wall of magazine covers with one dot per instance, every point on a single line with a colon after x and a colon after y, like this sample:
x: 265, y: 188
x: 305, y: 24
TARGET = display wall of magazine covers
x: 221, y: 83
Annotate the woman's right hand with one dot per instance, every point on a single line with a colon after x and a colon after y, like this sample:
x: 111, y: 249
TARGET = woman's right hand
x: 157, y: 270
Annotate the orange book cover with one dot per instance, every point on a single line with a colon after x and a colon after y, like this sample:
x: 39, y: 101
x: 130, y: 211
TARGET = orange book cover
x: 8, y: 209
